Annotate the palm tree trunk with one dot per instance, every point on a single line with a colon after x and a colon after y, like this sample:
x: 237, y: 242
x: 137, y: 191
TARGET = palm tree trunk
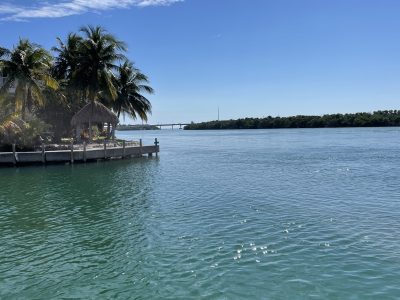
x: 92, y: 95
x: 90, y: 130
x: 24, y: 100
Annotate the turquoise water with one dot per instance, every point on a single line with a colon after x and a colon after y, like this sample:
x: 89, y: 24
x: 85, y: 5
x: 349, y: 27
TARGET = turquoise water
x: 267, y: 214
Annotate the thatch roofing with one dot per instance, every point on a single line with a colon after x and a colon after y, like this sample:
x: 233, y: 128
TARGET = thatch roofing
x: 94, y: 112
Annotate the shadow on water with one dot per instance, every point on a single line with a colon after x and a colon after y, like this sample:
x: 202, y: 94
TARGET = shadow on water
x: 79, y: 222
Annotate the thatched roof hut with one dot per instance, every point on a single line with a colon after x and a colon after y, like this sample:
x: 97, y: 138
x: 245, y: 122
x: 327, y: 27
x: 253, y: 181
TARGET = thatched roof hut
x: 93, y: 113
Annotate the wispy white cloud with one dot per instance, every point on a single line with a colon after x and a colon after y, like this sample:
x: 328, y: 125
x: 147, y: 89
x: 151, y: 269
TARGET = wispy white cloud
x: 58, y: 9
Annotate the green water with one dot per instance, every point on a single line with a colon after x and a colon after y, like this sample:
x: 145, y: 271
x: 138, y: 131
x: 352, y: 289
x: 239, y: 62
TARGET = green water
x: 268, y: 214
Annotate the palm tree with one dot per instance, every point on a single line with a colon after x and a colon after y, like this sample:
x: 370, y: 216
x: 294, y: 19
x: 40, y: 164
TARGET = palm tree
x: 66, y: 61
x: 64, y: 68
x: 131, y: 83
x: 97, y: 56
x: 27, y: 67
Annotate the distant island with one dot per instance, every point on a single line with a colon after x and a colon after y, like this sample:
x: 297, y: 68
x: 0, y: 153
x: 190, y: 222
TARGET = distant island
x: 137, y: 127
x: 375, y: 119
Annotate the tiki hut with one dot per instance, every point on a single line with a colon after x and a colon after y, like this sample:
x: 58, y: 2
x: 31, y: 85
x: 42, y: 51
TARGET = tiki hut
x: 91, y: 114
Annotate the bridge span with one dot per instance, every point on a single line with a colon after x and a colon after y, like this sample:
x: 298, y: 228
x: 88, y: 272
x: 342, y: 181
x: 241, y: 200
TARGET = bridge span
x: 171, y: 125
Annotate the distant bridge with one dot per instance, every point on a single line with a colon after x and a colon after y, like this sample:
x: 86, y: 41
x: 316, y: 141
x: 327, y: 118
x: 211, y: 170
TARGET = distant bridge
x: 172, y: 125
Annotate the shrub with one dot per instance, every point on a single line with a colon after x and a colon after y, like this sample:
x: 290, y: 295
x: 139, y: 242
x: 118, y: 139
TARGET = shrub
x: 26, y: 134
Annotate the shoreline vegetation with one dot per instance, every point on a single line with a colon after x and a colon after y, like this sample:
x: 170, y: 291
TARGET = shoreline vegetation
x: 41, y: 90
x: 386, y: 118
x: 137, y: 127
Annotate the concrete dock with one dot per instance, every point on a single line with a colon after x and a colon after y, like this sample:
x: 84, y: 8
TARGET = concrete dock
x: 74, y: 155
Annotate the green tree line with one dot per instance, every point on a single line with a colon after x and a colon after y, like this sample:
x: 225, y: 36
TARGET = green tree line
x: 375, y: 119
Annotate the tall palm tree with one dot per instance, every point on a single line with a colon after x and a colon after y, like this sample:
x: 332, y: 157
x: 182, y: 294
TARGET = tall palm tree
x: 98, y: 54
x: 66, y: 61
x: 65, y: 66
x: 131, y: 83
x: 27, y: 68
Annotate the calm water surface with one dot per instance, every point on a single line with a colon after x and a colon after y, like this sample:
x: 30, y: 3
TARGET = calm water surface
x: 268, y: 214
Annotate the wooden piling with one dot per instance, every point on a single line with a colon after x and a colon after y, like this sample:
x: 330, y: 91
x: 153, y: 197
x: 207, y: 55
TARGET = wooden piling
x: 123, y: 149
x: 141, y: 147
x: 84, y: 151
x: 43, y: 153
x: 14, y: 154
x: 105, y: 150
x: 156, y: 144
x: 72, y: 152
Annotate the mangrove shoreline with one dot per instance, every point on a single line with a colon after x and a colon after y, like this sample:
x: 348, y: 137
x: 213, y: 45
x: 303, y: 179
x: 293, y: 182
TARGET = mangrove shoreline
x: 387, y: 118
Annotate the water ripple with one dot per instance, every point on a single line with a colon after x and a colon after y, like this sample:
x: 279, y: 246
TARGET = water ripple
x: 277, y: 214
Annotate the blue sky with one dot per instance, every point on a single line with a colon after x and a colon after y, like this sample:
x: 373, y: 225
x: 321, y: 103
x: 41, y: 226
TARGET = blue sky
x: 249, y: 57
